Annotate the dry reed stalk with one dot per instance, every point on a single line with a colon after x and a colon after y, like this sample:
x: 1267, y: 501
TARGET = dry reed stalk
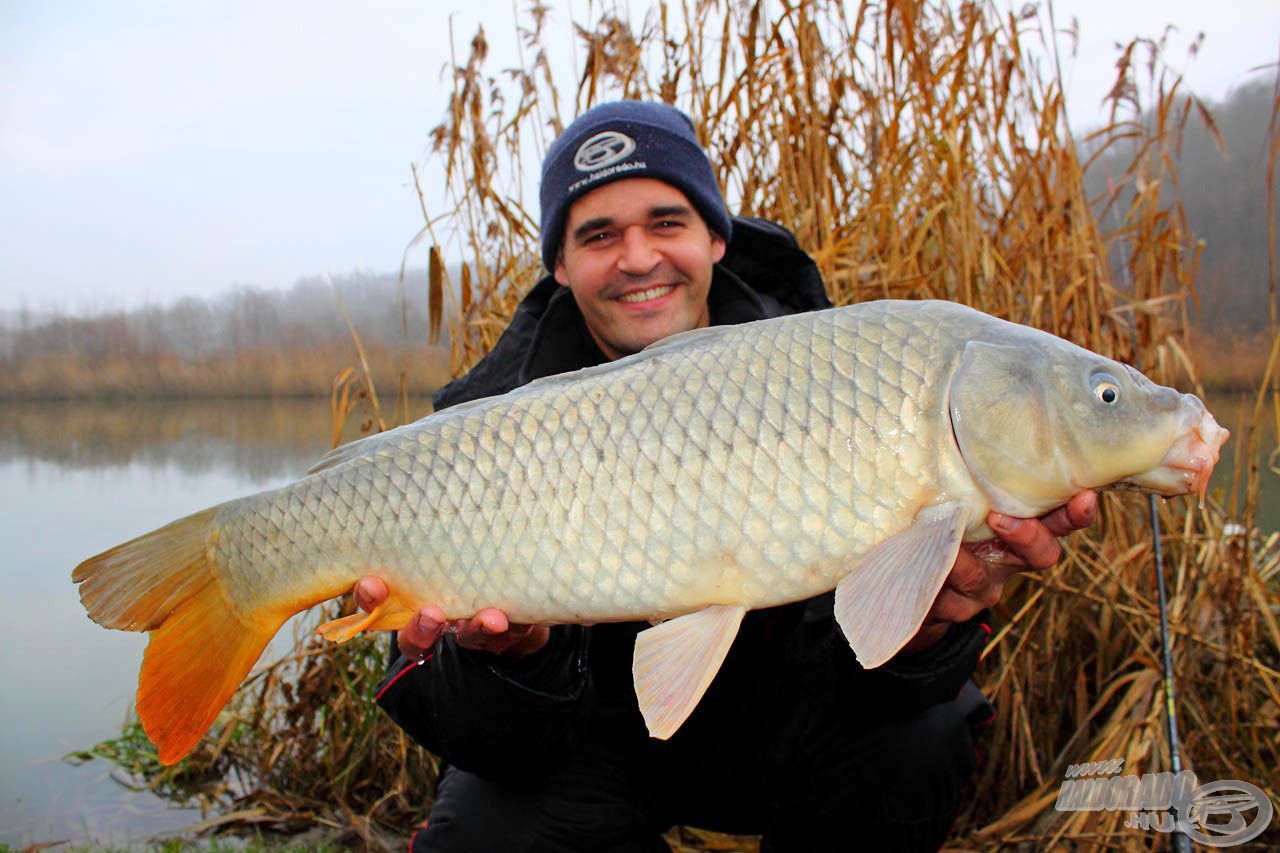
x: 258, y: 373
x: 916, y: 151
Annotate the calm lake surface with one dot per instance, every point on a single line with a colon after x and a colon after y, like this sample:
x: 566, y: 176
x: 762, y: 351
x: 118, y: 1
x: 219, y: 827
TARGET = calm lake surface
x: 1235, y: 412
x: 78, y: 478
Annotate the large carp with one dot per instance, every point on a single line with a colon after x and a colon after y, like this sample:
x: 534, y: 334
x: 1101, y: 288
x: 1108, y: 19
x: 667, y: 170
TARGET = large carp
x: 719, y: 470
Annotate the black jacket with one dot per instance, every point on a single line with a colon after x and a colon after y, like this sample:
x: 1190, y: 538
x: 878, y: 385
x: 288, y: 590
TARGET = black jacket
x: 512, y: 718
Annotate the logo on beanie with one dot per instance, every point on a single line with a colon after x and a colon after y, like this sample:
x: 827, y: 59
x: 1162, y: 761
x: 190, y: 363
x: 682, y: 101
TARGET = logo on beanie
x: 603, y: 149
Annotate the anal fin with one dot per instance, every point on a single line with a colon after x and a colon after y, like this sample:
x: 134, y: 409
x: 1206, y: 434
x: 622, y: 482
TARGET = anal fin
x: 882, y: 602
x: 675, y: 662
x: 391, y: 615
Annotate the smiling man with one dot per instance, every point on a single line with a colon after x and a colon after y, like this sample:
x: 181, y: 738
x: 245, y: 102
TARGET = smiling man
x: 544, y: 744
x: 638, y: 259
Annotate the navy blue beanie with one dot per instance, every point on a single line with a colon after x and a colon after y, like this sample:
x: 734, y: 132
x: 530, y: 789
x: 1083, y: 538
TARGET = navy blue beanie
x: 626, y: 139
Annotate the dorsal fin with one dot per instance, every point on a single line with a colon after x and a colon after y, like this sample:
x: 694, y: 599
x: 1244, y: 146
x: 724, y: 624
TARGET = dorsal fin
x: 706, y: 333
x: 350, y: 450
x: 666, y: 345
x: 371, y: 444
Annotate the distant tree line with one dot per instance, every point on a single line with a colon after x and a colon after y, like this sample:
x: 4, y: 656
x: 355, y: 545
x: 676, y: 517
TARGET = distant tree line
x: 247, y: 342
x: 1225, y: 199
x: 306, y: 315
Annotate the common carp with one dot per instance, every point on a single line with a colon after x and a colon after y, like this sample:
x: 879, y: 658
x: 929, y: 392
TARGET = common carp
x: 719, y: 470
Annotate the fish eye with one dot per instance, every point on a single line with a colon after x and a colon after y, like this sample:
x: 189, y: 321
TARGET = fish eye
x: 1106, y: 389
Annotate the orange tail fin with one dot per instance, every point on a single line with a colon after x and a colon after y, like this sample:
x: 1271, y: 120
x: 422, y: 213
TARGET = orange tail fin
x: 200, y: 648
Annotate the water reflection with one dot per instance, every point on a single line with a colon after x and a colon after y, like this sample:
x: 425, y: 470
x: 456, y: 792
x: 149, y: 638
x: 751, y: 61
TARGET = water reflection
x: 75, y: 479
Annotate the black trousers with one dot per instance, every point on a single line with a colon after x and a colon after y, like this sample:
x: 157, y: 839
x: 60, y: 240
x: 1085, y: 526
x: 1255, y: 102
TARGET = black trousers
x: 819, y: 783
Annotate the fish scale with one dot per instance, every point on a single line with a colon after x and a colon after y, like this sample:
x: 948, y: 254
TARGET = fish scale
x: 610, y: 441
x: 719, y: 470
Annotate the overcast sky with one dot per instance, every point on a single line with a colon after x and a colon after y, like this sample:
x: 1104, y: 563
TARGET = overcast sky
x: 150, y: 150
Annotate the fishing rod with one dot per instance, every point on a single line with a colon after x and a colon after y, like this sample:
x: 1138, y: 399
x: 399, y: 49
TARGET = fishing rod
x: 1181, y: 843
x: 1179, y: 840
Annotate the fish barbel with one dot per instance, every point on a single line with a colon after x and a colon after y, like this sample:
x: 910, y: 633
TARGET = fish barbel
x: 719, y: 470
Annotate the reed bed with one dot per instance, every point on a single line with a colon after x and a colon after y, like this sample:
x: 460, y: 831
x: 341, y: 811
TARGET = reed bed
x: 256, y: 372
x: 918, y: 150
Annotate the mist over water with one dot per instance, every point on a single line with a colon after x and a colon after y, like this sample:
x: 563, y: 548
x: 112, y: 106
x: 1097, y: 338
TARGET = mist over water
x: 253, y: 439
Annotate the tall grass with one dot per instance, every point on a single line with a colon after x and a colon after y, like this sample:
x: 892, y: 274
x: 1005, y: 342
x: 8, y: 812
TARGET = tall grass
x: 917, y: 150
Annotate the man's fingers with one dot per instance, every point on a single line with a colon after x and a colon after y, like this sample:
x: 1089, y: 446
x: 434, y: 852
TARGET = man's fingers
x: 432, y: 618
x: 1079, y: 512
x: 491, y: 630
x: 1029, y: 538
x: 991, y: 551
x: 951, y: 606
x: 370, y: 592
x: 493, y: 621
x: 421, y: 633
x: 972, y: 586
x: 969, y: 575
x: 488, y: 631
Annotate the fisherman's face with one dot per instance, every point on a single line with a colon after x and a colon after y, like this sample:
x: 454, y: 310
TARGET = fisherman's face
x: 638, y: 258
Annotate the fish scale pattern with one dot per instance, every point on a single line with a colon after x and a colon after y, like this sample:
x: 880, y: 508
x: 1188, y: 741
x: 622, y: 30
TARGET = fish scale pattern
x: 750, y: 464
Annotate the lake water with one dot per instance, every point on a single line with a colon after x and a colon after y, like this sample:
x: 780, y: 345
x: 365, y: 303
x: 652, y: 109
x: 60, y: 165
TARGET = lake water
x: 1235, y: 412
x: 76, y: 479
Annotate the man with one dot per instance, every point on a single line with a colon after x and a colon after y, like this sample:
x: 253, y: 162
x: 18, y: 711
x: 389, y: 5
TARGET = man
x: 544, y: 744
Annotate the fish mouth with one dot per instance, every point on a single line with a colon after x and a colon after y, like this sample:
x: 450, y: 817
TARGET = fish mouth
x: 1188, y: 465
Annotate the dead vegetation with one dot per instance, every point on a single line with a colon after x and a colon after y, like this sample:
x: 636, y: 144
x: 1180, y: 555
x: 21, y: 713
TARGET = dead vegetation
x: 917, y: 150
x: 260, y: 372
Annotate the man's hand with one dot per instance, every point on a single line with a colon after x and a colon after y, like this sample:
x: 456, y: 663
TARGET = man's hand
x: 981, y: 570
x: 487, y: 631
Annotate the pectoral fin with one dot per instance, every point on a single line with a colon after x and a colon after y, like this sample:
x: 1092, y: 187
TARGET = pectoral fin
x: 675, y: 662
x: 881, y: 604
